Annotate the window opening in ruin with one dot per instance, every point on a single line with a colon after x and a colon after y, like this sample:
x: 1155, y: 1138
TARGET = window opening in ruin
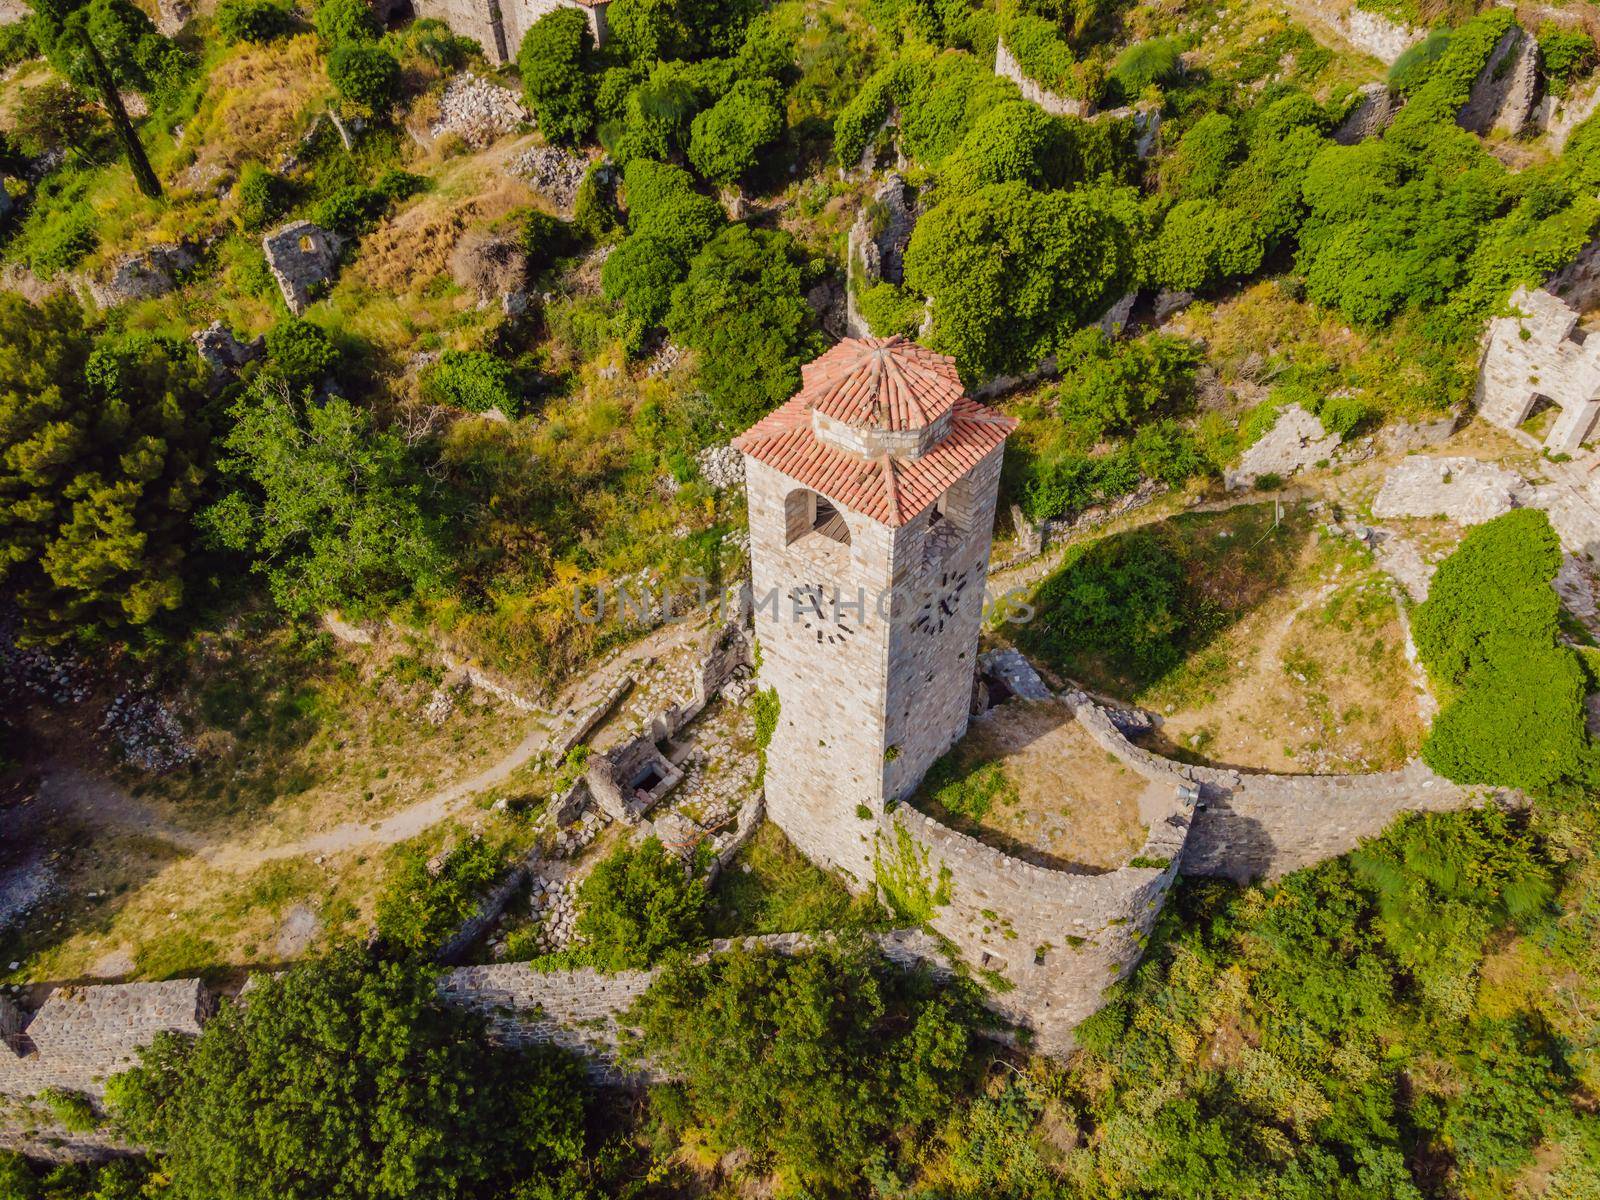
x: 829, y: 523
x: 306, y: 244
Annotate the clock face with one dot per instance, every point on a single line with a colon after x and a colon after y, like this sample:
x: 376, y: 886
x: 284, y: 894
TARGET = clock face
x: 817, y: 614
x: 943, y: 604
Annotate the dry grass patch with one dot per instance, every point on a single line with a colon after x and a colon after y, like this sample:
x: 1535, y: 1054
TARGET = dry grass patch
x: 414, y: 246
x: 258, y: 103
x: 1028, y: 779
x: 1314, y: 679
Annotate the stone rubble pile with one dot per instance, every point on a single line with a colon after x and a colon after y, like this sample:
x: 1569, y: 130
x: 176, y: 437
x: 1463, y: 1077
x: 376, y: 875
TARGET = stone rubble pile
x: 147, y: 732
x: 664, y: 361
x: 39, y: 672
x: 220, y: 350
x: 721, y: 466
x: 554, y: 904
x: 552, y: 172
x: 142, y: 275
x: 576, y: 837
x: 477, y: 111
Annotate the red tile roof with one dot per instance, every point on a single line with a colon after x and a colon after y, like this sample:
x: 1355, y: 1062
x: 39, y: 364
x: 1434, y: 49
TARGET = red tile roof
x: 881, y: 383
x: 892, y: 491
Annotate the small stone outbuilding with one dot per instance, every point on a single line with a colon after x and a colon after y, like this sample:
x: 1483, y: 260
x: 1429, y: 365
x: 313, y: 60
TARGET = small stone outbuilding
x: 1541, y: 354
x: 629, y: 780
x: 303, y: 258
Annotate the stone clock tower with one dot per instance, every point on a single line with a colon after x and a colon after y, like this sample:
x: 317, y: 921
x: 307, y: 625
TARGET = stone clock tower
x: 872, y: 496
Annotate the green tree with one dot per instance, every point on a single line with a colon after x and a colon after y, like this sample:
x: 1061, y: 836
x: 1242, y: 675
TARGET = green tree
x: 743, y: 309
x: 640, y: 275
x: 328, y: 507
x: 639, y: 904
x: 103, y: 454
x: 253, y: 20
x: 556, y: 62
x: 1012, y: 270
x: 1513, y: 698
x: 1017, y: 141
x: 726, y: 138
x: 663, y: 204
x: 347, y: 1076
x: 340, y: 21
x: 300, y: 354
x: 366, y: 75
x: 812, y: 1062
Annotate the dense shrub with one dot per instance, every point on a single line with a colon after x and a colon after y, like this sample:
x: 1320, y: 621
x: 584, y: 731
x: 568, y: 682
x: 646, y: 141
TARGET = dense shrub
x: 355, y: 209
x: 1109, y: 386
x: 555, y: 62
x: 366, y: 75
x: 328, y: 507
x: 474, y: 380
x: 252, y: 20
x: 347, y: 1076
x: 260, y: 196
x: 742, y: 308
x: 1416, y: 62
x: 545, y: 238
x: 663, y: 204
x: 1012, y: 270
x: 1566, y: 54
x: 638, y: 905
x: 1513, y: 711
x: 1126, y: 599
x: 17, y: 44
x: 725, y: 139
x: 890, y: 310
x: 1391, y: 226
x: 1145, y: 64
x: 1046, y: 59
x: 300, y: 354
x: 1444, y: 86
x: 423, y: 903
x: 1017, y: 141
x: 640, y: 275
x: 341, y: 21
x: 811, y: 1062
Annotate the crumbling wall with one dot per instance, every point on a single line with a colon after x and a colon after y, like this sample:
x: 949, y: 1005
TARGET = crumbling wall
x: 1377, y: 35
x: 1007, y: 66
x: 1506, y: 90
x: 303, y: 258
x: 498, y: 26
x: 1057, y: 938
x: 81, y: 1035
x: 1541, y: 352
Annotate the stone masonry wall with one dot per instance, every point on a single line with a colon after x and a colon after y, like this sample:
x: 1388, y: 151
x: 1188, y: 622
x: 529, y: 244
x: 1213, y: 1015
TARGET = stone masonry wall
x: 498, y: 26
x: 826, y: 754
x: 940, y: 574
x: 1541, y: 351
x: 1007, y: 66
x: 1264, y: 826
x: 1380, y: 37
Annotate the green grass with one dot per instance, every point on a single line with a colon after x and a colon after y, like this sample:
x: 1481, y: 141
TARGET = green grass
x: 783, y: 893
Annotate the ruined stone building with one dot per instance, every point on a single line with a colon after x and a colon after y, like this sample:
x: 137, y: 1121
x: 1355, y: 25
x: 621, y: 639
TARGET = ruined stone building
x: 499, y: 25
x: 1541, y: 355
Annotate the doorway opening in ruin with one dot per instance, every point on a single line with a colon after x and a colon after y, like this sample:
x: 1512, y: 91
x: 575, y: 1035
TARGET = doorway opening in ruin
x: 1542, y: 413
